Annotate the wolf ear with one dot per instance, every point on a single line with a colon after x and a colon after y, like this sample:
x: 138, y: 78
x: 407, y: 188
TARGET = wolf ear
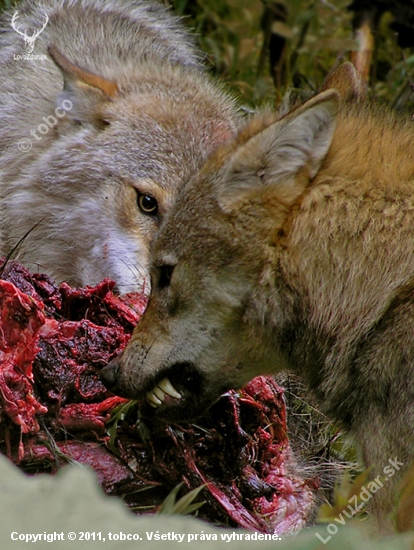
x: 83, y: 91
x: 346, y: 81
x: 296, y: 144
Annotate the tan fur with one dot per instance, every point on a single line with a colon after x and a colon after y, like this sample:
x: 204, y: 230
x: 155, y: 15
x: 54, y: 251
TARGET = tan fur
x: 293, y: 248
x: 145, y: 117
x: 346, y: 81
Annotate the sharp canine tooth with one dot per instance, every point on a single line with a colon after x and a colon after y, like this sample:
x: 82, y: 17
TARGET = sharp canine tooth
x: 168, y: 388
x: 159, y: 393
x: 153, y: 399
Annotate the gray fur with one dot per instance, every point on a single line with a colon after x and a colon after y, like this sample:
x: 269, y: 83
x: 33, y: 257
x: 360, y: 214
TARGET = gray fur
x: 75, y: 190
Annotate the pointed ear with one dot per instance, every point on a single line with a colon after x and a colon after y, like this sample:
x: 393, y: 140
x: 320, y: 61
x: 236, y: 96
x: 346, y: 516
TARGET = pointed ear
x: 84, y: 90
x: 346, y: 81
x: 291, y: 147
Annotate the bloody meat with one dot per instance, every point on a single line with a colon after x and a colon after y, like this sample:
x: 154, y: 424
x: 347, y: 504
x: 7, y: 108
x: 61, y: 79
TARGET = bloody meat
x: 54, y: 410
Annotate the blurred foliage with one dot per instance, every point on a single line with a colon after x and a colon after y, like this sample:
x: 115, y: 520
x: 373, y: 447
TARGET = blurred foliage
x: 347, y: 496
x: 318, y: 34
x: 404, y: 511
x: 314, y: 36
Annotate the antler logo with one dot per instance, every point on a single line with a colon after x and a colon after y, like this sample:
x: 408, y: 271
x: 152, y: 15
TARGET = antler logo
x: 29, y: 40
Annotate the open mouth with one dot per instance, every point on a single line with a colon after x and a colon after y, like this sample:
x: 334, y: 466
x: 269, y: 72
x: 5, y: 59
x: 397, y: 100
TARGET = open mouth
x: 157, y: 395
x: 177, y: 393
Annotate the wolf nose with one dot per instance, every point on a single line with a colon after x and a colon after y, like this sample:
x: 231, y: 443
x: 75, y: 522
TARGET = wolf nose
x: 109, y: 374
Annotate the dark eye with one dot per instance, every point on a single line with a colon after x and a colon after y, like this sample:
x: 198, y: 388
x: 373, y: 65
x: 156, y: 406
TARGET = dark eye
x: 166, y: 272
x: 147, y: 204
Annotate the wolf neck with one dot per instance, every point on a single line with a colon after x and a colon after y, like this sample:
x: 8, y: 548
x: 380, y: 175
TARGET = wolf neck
x: 348, y: 255
x: 372, y: 145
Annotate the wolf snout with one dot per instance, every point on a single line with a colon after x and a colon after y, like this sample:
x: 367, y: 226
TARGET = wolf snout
x: 109, y: 374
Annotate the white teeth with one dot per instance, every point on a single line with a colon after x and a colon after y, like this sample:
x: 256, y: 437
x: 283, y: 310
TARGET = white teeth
x: 156, y: 396
x: 168, y: 388
x: 159, y: 393
x: 153, y: 399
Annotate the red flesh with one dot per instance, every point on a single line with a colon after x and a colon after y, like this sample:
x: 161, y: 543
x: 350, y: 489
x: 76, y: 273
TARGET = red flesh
x: 54, y: 341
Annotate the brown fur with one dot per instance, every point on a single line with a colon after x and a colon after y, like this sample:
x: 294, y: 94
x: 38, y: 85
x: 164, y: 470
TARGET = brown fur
x: 293, y: 248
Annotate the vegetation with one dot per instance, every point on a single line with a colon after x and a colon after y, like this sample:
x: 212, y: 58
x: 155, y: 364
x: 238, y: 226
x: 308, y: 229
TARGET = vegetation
x: 243, y: 39
x: 263, y: 48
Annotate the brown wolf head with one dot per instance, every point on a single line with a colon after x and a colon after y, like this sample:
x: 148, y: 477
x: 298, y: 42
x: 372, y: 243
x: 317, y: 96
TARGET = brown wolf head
x: 292, y: 247
x: 214, y: 310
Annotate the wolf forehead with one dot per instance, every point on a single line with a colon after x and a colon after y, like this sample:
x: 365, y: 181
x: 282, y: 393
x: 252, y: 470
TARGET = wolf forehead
x: 178, y: 137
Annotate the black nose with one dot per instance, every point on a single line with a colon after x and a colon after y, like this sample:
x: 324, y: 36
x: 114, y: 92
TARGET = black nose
x: 109, y: 374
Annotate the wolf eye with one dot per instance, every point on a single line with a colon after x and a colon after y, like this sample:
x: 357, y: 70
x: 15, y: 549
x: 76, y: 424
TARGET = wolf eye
x: 166, y: 272
x: 147, y: 204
